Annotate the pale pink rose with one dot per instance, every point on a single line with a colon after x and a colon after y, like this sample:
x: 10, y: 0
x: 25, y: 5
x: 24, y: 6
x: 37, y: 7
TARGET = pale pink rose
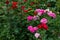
x: 37, y: 10
x: 51, y: 14
x: 35, y: 28
x: 40, y: 11
x: 35, y: 17
x: 44, y: 20
x: 29, y: 18
x: 37, y: 35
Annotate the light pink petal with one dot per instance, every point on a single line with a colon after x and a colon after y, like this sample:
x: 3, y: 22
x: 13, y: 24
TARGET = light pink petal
x: 40, y: 10
x: 32, y: 30
x: 51, y: 14
x: 30, y: 27
x: 43, y: 20
x: 29, y: 18
x: 35, y: 18
x: 35, y: 28
x: 39, y: 13
x: 37, y: 35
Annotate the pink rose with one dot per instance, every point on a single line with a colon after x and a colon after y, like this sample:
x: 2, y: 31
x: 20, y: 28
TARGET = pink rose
x: 51, y: 14
x: 43, y: 20
x: 37, y: 35
x: 32, y: 29
x: 29, y: 18
x: 35, y: 28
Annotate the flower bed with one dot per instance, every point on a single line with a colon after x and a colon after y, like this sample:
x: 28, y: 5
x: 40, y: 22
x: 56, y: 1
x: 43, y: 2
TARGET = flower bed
x: 29, y: 20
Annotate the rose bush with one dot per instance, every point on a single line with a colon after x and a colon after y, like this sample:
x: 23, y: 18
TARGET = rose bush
x: 29, y: 20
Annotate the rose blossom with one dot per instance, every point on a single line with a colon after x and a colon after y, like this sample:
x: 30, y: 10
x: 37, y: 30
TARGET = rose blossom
x: 37, y: 35
x: 40, y: 11
x: 51, y: 14
x: 43, y: 20
x: 35, y: 28
x: 29, y: 18
x: 35, y: 17
x: 32, y: 29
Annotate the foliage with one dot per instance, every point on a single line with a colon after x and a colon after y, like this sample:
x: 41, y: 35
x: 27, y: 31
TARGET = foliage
x: 13, y: 22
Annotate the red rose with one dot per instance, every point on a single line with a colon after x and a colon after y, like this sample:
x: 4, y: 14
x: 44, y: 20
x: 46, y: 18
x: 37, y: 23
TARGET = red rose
x: 14, y: 4
x: 45, y: 26
x: 39, y: 26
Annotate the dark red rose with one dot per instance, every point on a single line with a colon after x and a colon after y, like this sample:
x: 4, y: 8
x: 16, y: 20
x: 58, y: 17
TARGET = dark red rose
x: 32, y: 3
x: 25, y: 11
x: 7, y: 2
x: 22, y: 7
x: 13, y: 7
x: 25, y: 0
x: 35, y: 13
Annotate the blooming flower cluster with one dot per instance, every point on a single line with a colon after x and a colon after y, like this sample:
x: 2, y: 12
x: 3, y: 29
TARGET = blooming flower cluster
x: 15, y: 5
x: 37, y: 14
x: 43, y: 21
x: 32, y: 29
x: 42, y: 11
x: 29, y: 18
